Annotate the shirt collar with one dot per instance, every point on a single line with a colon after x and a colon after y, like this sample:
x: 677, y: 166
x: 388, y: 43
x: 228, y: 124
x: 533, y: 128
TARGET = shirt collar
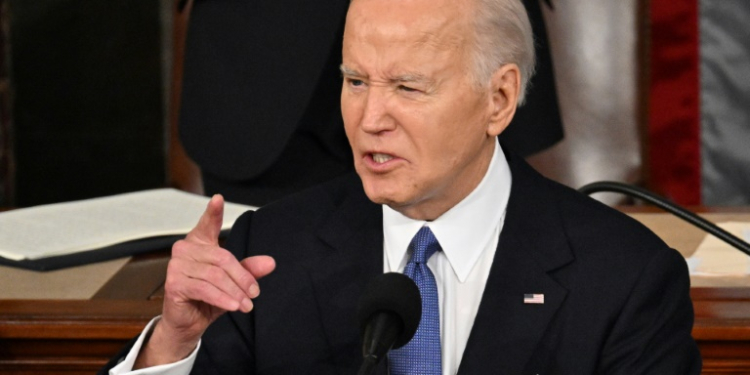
x: 464, y: 231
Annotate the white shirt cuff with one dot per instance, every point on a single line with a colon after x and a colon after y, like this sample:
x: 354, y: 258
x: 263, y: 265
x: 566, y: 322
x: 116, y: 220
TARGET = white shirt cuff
x: 181, y: 367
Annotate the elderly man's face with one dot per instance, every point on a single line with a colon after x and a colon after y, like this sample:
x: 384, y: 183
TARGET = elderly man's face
x: 421, y: 131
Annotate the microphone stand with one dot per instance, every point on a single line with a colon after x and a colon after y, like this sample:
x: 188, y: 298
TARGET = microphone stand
x: 633, y: 191
x: 380, y: 334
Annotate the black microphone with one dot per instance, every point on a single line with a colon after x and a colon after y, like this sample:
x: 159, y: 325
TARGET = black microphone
x: 389, y: 312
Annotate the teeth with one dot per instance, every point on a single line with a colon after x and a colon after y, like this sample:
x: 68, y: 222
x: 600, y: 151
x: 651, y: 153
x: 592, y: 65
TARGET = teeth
x: 381, y: 158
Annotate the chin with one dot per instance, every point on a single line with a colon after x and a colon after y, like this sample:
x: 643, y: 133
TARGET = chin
x: 392, y: 189
x: 382, y: 193
x: 379, y: 197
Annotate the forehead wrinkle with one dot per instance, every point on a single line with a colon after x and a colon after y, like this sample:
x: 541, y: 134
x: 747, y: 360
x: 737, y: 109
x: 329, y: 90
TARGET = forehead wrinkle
x: 410, y: 77
x: 440, y: 41
x: 444, y: 33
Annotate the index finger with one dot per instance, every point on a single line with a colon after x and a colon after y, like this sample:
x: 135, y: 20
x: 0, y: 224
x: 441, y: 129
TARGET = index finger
x: 208, y: 229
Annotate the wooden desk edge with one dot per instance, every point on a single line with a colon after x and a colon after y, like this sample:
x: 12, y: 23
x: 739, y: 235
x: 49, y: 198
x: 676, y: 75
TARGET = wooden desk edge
x: 83, y: 319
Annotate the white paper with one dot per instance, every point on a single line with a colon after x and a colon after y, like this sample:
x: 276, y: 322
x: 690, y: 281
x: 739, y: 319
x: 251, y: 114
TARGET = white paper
x: 65, y: 228
x: 714, y: 257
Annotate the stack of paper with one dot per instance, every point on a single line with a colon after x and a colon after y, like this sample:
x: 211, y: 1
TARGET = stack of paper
x: 715, y: 257
x: 72, y: 227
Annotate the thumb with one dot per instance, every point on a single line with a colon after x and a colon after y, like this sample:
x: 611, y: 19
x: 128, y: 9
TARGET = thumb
x: 209, y: 226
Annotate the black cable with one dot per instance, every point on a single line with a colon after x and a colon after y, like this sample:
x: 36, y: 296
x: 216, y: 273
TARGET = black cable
x: 633, y: 191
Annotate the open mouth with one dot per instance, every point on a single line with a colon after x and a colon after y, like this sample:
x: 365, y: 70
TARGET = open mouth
x: 381, y: 158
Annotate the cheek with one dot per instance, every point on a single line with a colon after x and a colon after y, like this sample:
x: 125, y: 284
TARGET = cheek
x: 447, y: 146
x: 350, y: 115
x: 469, y: 121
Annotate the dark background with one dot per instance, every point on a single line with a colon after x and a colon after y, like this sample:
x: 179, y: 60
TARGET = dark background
x: 83, y: 110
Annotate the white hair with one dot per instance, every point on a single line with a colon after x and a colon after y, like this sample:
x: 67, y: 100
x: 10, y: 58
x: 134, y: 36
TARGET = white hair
x: 502, y: 35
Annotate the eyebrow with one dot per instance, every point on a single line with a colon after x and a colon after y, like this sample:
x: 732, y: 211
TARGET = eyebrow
x: 407, y: 77
x: 349, y: 72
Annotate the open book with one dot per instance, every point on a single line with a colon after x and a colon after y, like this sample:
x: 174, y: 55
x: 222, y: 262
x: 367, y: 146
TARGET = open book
x: 67, y: 228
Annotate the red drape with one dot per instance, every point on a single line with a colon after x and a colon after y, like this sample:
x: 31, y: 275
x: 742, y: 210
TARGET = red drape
x: 674, y: 107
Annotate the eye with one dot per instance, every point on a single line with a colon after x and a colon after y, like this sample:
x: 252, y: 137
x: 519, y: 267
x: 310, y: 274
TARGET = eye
x: 355, y: 82
x: 407, y: 88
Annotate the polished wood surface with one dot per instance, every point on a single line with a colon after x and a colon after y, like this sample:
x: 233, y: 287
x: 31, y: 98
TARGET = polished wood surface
x: 79, y: 336
x: 722, y: 329
x: 67, y: 337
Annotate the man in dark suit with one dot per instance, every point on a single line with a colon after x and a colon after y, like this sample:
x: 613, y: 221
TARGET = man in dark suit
x: 260, y: 107
x: 530, y: 277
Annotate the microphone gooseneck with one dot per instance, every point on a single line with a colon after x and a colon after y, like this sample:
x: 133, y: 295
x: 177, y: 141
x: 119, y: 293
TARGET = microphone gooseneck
x: 633, y: 191
x: 389, y: 312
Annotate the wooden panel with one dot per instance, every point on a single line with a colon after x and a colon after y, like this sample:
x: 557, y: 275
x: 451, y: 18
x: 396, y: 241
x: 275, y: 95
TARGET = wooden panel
x: 83, y: 319
x: 722, y: 329
x: 67, y: 337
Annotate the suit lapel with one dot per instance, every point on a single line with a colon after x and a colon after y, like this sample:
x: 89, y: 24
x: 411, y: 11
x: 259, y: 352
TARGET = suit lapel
x: 532, y: 244
x: 352, y: 255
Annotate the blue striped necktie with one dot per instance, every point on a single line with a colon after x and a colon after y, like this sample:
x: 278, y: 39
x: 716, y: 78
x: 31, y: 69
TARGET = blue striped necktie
x: 422, y: 354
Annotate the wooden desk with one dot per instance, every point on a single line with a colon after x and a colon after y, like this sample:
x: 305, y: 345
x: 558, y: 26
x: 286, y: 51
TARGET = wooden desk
x: 722, y: 306
x: 722, y: 329
x: 79, y: 336
x: 75, y: 337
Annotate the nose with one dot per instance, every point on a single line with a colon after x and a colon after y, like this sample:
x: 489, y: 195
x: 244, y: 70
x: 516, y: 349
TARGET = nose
x: 376, y: 116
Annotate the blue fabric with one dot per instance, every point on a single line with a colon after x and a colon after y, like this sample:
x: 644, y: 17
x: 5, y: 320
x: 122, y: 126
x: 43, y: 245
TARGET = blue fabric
x: 422, y: 354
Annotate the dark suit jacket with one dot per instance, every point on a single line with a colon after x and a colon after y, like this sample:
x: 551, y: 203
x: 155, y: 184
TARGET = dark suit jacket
x: 260, y: 111
x: 616, y: 297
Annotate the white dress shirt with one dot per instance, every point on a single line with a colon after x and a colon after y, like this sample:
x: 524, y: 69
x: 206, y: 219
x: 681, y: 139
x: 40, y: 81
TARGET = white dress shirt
x: 468, y: 234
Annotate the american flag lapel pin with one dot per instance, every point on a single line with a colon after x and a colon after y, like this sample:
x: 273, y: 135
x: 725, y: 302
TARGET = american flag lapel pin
x: 537, y: 299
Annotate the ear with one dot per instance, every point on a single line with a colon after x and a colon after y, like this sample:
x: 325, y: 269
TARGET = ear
x: 506, y: 86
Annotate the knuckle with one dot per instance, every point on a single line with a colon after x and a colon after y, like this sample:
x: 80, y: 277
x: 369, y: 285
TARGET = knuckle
x: 179, y: 247
x: 245, y: 279
x: 172, y: 264
x: 174, y: 267
x: 170, y: 284
x: 235, y: 294
x: 224, y: 258
x: 214, y: 274
x: 202, y: 289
